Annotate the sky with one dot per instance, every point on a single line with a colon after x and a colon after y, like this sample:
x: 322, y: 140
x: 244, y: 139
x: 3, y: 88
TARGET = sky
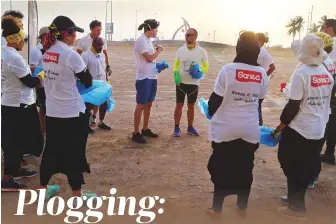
x: 225, y: 18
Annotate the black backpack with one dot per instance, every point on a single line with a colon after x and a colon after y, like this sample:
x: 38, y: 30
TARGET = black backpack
x: 333, y: 92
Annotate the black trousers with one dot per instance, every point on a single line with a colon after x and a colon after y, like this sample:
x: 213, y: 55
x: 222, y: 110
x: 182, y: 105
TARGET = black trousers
x: 231, y: 169
x: 331, y: 134
x: 261, y: 121
x: 65, y: 150
x: 20, y: 134
x: 299, y: 159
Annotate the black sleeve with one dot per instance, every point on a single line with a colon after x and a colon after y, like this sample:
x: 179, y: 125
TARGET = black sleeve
x: 85, y: 78
x: 214, y: 103
x: 290, y: 111
x: 30, y: 81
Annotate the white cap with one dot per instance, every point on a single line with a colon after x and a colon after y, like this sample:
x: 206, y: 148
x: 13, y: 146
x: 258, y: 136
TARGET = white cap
x: 43, y: 30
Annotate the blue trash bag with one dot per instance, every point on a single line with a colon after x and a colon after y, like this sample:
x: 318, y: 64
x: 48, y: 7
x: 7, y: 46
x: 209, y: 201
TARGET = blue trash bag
x: 266, y: 137
x: 162, y: 65
x: 195, y: 72
x: 110, y: 104
x: 97, y: 94
x: 37, y: 70
x: 203, y: 107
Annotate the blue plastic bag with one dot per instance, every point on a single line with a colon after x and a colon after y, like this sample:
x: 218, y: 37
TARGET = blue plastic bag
x: 97, y: 94
x: 110, y: 104
x: 195, y: 72
x: 266, y: 137
x: 203, y: 107
x: 162, y: 65
x: 37, y: 70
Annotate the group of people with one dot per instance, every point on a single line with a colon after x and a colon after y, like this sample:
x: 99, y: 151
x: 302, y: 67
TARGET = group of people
x: 234, y: 106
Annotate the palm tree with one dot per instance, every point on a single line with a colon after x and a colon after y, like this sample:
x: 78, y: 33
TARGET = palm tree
x: 314, y: 28
x: 292, y: 28
x: 323, y: 20
x: 299, y: 25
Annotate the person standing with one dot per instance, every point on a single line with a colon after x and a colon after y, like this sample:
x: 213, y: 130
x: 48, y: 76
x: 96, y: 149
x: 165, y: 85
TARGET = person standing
x: 94, y: 59
x: 303, y: 123
x: 35, y: 57
x: 15, y: 14
x: 234, y: 125
x: 66, y: 121
x: 146, y: 79
x: 266, y: 62
x: 85, y: 44
x: 329, y: 27
x: 20, y: 125
x: 187, y: 56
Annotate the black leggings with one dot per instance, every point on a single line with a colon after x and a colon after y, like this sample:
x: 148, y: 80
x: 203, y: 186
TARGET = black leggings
x: 102, y: 111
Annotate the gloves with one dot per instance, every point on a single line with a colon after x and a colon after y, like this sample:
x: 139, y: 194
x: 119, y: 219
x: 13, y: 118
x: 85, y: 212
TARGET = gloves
x: 108, y: 70
x: 41, y: 75
x: 177, y: 78
x: 276, y: 133
x: 195, y: 71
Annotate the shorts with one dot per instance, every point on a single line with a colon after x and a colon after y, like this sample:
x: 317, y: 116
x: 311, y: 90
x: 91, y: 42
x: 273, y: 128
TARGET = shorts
x: 186, y: 89
x: 146, y: 90
x: 40, y: 98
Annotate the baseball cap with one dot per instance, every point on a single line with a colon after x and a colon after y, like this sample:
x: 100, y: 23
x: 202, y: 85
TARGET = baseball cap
x: 43, y: 30
x: 65, y: 23
x: 310, y: 50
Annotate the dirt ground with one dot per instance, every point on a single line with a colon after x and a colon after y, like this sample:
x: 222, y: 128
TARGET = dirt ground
x: 175, y: 168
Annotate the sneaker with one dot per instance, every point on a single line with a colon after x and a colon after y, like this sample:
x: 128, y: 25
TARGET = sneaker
x: 328, y: 159
x: 312, y: 185
x: 104, y: 126
x: 284, y: 200
x: 138, y: 138
x: 25, y: 173
x: 213, y: 215
x: 288, y: 213
x: 11, y: 185
x: 87, y: 194
x: 177, y: 132
x: 192, y: 131
x: 90, y: 130
x: 149, y: 133
x: 26, y: 155
x: 51, y: 191
x: 92, y: 121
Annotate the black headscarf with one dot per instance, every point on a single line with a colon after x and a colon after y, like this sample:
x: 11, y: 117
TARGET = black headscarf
x: 149, y: 24
x: 247, y: 49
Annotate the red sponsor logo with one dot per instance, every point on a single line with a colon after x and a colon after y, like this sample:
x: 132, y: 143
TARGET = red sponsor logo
x: 320, y: 80
x: 248, y: 76
x: 51, y: 57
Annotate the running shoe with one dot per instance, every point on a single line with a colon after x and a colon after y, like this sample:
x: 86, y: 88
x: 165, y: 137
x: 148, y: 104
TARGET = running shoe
x: 192, y: 131
x: 85, y: 195
x: 213, y: 215
x: 90, y: 130
x: 11, y: 185
x: 149, y: 133
x: 328, y: 159
x: 25, y: 173
x: 284, y: 200
x: 177, y: 132
x: 51, y: 191
x: 104, y: 126
x: 138, y: 138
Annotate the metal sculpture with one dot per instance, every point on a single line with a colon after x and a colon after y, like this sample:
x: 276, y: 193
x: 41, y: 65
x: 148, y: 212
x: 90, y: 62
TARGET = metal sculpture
x: 185, y: 25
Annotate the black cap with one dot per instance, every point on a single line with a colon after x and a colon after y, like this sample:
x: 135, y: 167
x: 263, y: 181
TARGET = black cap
x: 65, y: 23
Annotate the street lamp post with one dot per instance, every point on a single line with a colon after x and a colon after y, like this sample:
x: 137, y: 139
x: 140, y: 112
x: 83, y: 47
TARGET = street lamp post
x: 111, y: 22
x: 136, y: 25
x: 106, y: 20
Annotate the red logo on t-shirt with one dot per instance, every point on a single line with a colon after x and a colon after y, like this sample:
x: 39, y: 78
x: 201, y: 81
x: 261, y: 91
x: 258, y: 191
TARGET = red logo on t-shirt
x: 51, y: 57
x: 320, y: 80
x: 248, y: 76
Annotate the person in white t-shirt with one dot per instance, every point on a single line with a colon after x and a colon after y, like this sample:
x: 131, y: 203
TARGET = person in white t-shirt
x: 20, y: 126
x: 146, y: 79
x: 234, y: 124
x: 66, y: 120
x: 303, y: 123
x: 94, y: 59
x: 329, y: 27
x: 187, y: 56
x: 35, y: 57
x: 85, y: 43
x: 266, y: 62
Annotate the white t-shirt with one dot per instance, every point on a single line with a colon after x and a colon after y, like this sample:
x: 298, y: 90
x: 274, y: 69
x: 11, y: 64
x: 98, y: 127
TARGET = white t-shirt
x: 332, y: 54
x: 96, y: 65
x: 187, y: 57
x: 60, y: 63
x: 144, y: 69
x: 241, y: 87
x: 85, y: 43
x: 312, y: 85
x: 35, y: 57
x: 14, y: 67
x: 3, y: 41
x: 265, y: 59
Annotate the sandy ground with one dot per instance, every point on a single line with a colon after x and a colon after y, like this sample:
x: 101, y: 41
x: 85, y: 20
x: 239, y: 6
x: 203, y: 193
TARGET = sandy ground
x: 175, y: 168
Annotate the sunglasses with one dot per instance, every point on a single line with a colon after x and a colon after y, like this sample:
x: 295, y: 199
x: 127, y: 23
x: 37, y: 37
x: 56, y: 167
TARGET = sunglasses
x: 190, y: 35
